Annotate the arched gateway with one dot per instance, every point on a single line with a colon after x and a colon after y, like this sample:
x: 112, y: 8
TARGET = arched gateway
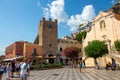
x: 51, y: 58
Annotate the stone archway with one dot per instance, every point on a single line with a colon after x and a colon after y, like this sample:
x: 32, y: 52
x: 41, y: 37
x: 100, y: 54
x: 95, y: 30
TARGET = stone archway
x: 51, y: 58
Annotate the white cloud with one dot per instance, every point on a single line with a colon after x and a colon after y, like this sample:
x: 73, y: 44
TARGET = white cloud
x: 55, y: 10
x: 1, y: 51
x: 46, y: 13
x: 113, y: 1
x: 87, y: 14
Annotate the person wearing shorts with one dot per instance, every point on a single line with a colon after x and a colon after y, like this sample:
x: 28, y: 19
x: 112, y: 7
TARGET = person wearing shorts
x: 8, y: 71
x: 25, y: 70
x: 17, y: 65
x: 13, y: 68
x: 80, y: 62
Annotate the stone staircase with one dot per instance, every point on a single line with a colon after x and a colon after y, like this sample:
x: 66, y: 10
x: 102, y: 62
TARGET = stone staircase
x: 102, y: 61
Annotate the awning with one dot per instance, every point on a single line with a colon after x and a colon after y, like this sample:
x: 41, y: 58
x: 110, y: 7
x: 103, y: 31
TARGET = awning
x: 49, y: 57
x: 10, y: 59
x: 38, y: 56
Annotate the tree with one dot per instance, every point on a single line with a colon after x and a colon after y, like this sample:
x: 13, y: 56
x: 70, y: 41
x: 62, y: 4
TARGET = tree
x: 117, y: 45
x: 96, y: 49
x: 72, y: 52
x: 81, y: 25
x: 116, y: 8
x: 81, y: 36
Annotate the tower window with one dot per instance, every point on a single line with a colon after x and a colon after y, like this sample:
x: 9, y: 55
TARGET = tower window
x: 61, y: 49
x: 50, y: 45
x: 49, y: 26
x: 20, y: 46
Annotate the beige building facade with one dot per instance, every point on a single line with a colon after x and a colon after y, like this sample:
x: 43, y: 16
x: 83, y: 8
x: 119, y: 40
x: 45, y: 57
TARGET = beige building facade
x: 64, y: 43
x: 105, y: 27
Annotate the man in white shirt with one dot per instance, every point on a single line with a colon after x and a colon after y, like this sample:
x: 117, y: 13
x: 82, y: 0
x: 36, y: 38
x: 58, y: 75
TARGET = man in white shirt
x: 25, y: 70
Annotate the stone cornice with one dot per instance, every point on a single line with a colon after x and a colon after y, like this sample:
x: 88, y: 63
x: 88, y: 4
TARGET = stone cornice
x: 103, y: 14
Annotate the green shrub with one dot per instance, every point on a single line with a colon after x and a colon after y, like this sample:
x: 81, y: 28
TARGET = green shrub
x: 117, y: 45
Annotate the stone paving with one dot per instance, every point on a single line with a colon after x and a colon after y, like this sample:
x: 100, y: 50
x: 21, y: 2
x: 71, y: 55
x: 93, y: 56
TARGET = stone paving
x: 73, y: 74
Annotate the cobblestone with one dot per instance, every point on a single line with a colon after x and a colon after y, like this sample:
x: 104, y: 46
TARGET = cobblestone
x: 73, y: 74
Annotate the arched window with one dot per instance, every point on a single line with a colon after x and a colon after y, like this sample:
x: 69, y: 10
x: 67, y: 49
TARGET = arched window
x: 50, y: 45
x: 102, y: 24
x: 61, y: 49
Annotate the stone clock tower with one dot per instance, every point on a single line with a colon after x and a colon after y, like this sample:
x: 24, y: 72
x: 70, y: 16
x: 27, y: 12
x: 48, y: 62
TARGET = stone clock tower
x: 47, y: 37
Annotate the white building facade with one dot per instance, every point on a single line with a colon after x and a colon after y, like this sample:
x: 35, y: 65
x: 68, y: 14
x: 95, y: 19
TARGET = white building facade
x: 105, y: 27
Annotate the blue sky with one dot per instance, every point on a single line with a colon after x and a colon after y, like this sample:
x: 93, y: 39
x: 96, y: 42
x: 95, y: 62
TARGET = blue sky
x: 19, y: 18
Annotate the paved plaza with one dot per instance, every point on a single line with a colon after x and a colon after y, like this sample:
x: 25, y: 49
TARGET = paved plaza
x: 73, y: 74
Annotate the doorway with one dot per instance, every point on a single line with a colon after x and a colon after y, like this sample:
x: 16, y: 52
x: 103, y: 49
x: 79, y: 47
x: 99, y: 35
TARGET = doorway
x: 51, y: 59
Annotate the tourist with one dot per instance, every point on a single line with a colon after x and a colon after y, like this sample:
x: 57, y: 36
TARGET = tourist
x: 25, y: 70
x: 8, y: 69
x: 80, y: 63
x: 108, y: 65
x: 13, y: 68
x: 113, y: 64
x: 1, y: 70
x: 17, y: 65
x: 71, y: 63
